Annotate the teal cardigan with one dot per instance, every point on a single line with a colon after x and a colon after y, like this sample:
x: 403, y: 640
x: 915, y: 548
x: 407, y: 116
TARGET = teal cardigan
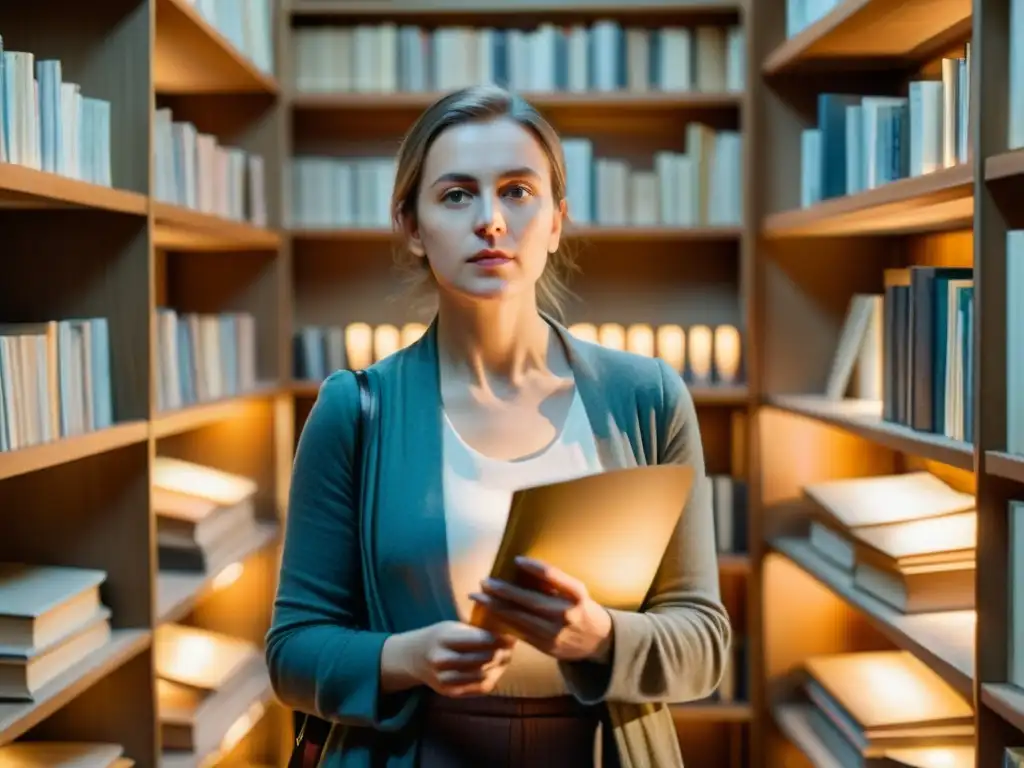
x: 349, y: 577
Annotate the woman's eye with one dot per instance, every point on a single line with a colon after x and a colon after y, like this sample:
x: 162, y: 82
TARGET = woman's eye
x: 519, y: 192
x: 455, y: 196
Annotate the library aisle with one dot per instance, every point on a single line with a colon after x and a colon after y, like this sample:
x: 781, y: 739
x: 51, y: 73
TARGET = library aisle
x: 810, y: 210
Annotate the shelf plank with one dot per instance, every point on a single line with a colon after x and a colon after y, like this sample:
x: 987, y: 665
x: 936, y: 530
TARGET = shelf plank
x: 415, y: 103
x: 36, y: 457
x: 197, y: 416
x: 192, y: 56
x: 910, y: 30
x: 864, y: 418
x: 17, y: 718
x: 22, y: 187
x: 391, y: 8
x: 943, y: 641
x: 594, y: 234
x: 177, y: 592
x: 182, y: 229
x: 1005, y: 700
x: 1009, y: 466
x: 712, y: 711
x: 934, y: 202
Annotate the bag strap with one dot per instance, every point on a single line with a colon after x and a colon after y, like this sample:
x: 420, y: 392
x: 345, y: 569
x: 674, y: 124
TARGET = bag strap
x: 310, y: 731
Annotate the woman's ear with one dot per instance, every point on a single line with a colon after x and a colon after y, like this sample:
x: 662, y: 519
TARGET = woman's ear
x: 557, y: 220
x: 411, y: 232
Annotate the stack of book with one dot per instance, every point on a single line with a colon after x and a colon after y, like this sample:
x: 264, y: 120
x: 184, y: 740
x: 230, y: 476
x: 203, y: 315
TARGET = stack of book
x: 205, y: 517
x: 879, y: 709
x: 51, y: 617
x: 211, y: 689
x: 908, y: 540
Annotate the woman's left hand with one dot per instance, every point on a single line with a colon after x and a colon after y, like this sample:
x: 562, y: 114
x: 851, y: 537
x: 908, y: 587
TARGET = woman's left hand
x: 559, y: 618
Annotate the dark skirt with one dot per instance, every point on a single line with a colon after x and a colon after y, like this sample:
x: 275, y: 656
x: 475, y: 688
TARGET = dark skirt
x: 498, y: 732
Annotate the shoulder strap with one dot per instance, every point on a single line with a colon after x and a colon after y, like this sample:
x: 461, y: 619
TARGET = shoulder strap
x: 367, y: 412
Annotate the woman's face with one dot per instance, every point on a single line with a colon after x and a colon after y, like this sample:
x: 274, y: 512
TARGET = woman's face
x: 486, y: 219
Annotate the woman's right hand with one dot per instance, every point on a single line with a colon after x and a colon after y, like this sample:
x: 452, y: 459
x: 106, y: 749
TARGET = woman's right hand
x: 452, y: 658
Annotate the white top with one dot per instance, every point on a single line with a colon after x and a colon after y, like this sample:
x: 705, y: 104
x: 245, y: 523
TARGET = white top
x: 477, y: 493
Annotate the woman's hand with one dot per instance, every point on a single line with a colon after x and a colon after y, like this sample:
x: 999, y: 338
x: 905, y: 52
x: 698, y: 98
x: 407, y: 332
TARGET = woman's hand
x: 452, y: 658
x: 558, y: 618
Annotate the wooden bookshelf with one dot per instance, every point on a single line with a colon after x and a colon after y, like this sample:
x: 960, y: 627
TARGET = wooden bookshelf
x: 810, y: 261
x: 80, y: 250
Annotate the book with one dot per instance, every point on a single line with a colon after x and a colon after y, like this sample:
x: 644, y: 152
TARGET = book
x: 609, y: 530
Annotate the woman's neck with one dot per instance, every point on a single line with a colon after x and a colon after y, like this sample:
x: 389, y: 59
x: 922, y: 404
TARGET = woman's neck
x: 492, y: 341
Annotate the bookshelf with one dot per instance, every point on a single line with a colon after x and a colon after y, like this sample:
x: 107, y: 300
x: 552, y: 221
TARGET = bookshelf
x: 79, y: 495
x: 819, y: 247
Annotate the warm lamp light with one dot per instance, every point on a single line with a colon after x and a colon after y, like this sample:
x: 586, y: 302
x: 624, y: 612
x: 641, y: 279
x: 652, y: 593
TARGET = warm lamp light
x: 612, y: 335
x: 640, y: 339
x: 227, y: 576
x: 359, y: 346
x: 386, y: 341
x: 411, y: 332
x: 584, y: 331
x: 700, y: 345
x: 727, y: 353
x: 934, y: 757
x: 179, y: 476
x: 670, y: 341
x: 186, y: 658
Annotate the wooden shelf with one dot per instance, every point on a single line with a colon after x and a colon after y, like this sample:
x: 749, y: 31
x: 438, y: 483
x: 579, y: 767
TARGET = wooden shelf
x: 22, y: 187
x: 36, y: 457
x: 18, y: 717
x: 182, y: 229
x: 550, y: 103
x: 1005, y: 700
x: 400, y: 8
x: 934, y: 202
x: 593, y: 234
x: 191, y: 56
x: 193, y: 417
x: 712, y: 712
x: 177, y: 592
x: 873, y: 30
x: 1006, y: 465
x: 864, y: 419
x: 943, y: 641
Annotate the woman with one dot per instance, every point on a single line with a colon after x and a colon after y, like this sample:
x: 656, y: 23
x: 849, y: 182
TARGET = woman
x: 496, y: 395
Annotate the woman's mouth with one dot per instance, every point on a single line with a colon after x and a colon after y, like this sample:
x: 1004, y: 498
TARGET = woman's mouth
x: 491, y: 258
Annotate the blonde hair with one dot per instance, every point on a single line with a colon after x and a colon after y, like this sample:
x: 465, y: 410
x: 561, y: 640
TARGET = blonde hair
x: 473, y: 104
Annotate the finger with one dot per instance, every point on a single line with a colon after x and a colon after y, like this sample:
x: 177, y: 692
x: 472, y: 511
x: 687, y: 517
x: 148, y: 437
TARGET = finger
x: 535, y: 627
x: 473, y: 639
x: 550, y: 606
x: 567, y: 585
x: 464, y: 661
x: 452, y: 678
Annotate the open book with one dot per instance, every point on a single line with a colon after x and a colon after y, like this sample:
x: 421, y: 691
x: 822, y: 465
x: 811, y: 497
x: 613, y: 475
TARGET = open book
x: 609, y: 530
